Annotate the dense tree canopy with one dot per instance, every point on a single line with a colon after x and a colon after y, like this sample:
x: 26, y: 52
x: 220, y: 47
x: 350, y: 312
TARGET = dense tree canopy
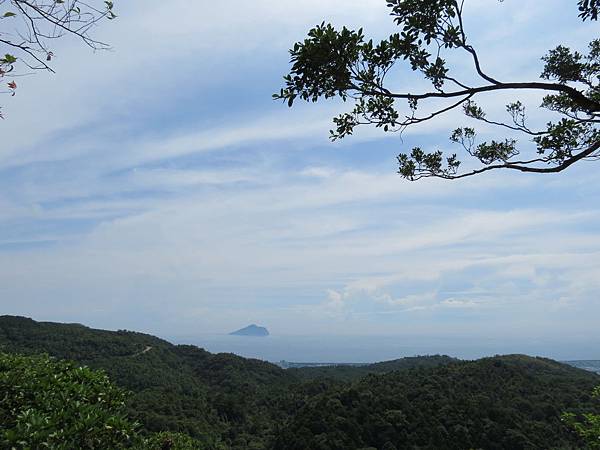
x: 510, y: 402
x: 46, y: 403
x: 185, y: 397
x: 586, y: 424
x: 345, y: 64
x: 58, y: 405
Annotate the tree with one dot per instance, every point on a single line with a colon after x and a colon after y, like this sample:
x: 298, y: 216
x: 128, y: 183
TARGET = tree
x: 167, y: 440
x: 47, y: 403
x: 344, y: 64
x: 28, y: 28
x: 587, y: 425
x: 589, y: 9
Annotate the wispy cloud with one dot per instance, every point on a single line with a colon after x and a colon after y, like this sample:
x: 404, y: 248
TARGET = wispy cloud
x: 159, y: 187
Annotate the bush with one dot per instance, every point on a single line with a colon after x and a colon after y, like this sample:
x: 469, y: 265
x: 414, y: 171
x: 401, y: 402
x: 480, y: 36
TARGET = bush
x: 166, y: 440
x: 586, y: 425
x: 47, y: 403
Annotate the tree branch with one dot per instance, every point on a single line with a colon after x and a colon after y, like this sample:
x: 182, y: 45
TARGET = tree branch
x: 473, y: 53
x: 413, y: 120
x: 524, y: 168
x: 469, y: 48
x: 574, y: 94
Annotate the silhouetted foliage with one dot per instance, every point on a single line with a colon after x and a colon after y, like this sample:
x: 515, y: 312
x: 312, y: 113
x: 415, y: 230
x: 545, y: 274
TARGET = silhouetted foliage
x: 30, y: 26
x: 345, y: 64
x: 588, y: 9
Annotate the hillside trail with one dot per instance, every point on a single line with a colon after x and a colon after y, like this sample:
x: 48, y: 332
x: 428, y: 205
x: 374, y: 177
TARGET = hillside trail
x: 147, y: 349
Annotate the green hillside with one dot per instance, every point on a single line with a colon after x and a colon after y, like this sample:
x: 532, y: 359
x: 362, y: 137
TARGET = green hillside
x: 505, y: 402
x: 354, y: 372
x: 226, y: 401
x: 175, y: 387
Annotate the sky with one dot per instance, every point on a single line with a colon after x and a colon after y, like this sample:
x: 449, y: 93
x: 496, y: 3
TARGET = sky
x: 158, y: 187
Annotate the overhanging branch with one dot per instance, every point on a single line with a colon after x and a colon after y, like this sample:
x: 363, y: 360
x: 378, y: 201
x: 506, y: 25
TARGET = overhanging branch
x: 574, y: 94
x: 525, y: 168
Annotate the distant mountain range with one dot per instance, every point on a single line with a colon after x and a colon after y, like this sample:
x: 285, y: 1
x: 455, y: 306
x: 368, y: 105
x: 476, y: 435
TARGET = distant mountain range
x: 588, y: 364
x: 251, y: 330
x: 591, y: 365
x: 230, y: 402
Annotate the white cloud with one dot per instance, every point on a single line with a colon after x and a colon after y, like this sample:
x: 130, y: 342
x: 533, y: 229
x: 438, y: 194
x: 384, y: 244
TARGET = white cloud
x: 216, y: 215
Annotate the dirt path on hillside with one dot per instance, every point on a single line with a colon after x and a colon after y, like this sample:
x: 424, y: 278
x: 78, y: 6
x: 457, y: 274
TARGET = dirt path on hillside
x: 146, y: 350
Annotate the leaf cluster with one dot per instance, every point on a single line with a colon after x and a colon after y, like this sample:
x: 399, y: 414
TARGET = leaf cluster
x: 586, y: 424
x: 29, y: 28
x: 345, y: 64
x: 46, y: 403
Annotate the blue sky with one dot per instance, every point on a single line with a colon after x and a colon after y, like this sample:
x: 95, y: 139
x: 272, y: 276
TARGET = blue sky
x: 158, y: 187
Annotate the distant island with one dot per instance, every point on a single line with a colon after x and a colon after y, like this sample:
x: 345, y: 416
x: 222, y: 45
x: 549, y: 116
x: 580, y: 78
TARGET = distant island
x: 503, y: 402
x: 251, y: 330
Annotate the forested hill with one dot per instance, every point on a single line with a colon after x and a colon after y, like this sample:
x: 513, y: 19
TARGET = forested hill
x: 175, y: 387
x: 229, y: 402
x: 354, y: 372
x: 505, y: 402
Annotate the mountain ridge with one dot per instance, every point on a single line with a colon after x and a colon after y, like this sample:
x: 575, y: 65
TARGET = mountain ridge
x: 230, y: 402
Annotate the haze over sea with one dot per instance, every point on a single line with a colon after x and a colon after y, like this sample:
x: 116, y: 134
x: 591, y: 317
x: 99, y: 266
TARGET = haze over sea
x: 367, y: 349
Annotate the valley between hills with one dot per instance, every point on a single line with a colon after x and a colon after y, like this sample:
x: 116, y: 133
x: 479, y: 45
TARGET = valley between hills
x: 223, y: 401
